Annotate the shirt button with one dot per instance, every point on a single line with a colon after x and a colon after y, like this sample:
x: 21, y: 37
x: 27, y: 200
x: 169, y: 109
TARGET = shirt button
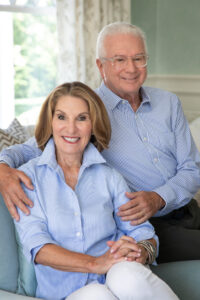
x: 76, y: 214
x: 144, y: 139
x: 78, y: 234
x: 155, y: 160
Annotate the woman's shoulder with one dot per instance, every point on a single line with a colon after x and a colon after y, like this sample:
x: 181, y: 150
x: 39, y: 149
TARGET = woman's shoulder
x: 29, y: 167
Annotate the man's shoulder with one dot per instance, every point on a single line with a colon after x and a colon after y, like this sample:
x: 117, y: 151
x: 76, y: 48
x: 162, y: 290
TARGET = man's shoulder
x: 157, y: 91
x: 160, y: 96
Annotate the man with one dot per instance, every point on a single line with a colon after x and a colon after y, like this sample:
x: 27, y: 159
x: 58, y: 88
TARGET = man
x: 151, y: 146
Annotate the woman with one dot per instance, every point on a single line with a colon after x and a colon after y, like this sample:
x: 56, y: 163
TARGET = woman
x: 73, y: 234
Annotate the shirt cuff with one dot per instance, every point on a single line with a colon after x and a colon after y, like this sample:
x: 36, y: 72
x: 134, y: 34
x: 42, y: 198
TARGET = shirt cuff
x: 169, y: 196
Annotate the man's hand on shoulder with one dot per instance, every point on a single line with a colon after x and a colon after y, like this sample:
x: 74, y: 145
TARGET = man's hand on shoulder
x: 12, y: 191
x: 141, y: 207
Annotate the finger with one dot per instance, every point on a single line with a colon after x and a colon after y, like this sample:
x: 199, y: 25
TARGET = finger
x: 132, y: 212
x: 131, y: 247
x: 122, y: 253
x: 22, y: 197
x: 12, y: 209
x: 128, y: 205
x: 116, y: 246
x: 130, y: 195
x: 15, y: 201
x: 141, y: 220
x: 26, y: 180
x: 110, y: 243
x: 129, y: 239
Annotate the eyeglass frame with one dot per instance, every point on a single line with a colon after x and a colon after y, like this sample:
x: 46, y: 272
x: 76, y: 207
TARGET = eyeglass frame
x: 132, y: 58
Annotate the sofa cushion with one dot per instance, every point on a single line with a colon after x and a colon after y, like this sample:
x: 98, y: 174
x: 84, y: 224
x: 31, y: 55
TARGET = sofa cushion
x: 182, y: 277
x: 195, y: 130
x: 27, y: 280
x: 8, y: 251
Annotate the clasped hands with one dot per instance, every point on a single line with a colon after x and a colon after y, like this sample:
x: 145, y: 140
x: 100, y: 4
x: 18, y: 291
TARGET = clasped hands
x: 126, y: 247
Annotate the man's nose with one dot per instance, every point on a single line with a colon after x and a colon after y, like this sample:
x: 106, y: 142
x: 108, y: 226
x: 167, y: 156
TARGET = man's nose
x: 130, y: 65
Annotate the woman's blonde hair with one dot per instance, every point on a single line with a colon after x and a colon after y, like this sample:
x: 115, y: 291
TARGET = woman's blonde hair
x: 101, y: 129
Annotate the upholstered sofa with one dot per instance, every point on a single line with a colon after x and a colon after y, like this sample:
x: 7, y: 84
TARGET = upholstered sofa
x: 17, y: 278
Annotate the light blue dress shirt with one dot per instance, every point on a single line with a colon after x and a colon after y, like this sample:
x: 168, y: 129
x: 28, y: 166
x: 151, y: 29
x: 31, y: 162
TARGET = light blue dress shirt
x: 80, y: 220
x: 152, y: 148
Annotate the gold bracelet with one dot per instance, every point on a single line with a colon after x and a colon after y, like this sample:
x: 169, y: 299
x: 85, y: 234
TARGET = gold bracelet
x: 151, y: 249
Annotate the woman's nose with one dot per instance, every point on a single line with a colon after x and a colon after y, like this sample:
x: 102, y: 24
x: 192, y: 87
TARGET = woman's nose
x: 71, y: 126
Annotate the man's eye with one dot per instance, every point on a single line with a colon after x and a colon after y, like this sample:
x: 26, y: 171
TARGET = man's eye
x: 138, y: 58
x: 120, y: 59
x: 60, y: 117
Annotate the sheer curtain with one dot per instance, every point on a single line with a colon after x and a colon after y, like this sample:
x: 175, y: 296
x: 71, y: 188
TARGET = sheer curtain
x: 78, y: 23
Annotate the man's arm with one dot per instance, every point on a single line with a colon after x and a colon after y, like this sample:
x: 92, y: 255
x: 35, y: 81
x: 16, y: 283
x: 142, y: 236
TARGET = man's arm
x: 10, y: 178
x: 177, y: 190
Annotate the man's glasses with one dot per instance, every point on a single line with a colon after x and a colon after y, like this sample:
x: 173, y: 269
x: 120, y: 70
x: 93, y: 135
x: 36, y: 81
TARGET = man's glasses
x: 120, y: 61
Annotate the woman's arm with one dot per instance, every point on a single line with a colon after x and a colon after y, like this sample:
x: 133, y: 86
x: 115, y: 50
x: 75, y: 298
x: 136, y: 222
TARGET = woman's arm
x: 64, y: 260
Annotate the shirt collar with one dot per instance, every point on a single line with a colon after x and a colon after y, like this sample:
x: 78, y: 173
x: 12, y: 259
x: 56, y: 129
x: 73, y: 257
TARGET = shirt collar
x: 112, y: 100
x: 91, y: 156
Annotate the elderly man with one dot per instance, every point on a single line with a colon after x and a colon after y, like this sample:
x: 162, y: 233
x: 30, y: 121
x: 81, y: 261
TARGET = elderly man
x: 151, y: 146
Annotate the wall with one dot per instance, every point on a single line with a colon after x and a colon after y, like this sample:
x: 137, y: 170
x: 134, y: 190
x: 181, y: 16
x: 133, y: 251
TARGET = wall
x: 172, y: 29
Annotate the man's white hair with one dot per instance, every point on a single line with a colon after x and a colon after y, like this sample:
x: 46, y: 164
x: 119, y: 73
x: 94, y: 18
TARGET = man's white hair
x: 117, y: 28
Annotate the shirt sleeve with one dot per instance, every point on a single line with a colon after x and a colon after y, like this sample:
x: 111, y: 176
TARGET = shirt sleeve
x: 33, y: 229
x: 140, y: 232
x: 17, y: 155
x: 180, y: 188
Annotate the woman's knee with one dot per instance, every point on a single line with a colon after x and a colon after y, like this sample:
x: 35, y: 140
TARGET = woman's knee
x: 132, y: 280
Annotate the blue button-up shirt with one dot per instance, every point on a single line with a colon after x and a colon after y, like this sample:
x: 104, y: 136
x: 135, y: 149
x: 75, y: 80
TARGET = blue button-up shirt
x: 80, y: 220
x: 152, y: 147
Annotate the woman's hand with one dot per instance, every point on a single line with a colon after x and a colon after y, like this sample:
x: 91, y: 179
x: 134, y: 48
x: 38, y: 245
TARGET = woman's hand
x: 128, y: 248
x: 12, y: 191
x: 103, y: 263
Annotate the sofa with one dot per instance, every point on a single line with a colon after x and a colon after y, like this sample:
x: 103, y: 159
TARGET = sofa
x: 17, y: 277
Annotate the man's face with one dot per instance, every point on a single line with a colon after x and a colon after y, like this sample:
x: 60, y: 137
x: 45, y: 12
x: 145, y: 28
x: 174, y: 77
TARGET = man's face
x: 125, y: 81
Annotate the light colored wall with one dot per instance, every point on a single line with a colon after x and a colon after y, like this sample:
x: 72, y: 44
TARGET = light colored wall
x: 173, y: 34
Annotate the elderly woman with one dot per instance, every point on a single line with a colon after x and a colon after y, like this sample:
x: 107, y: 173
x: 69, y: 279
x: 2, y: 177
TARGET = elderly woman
x: 73, y: 234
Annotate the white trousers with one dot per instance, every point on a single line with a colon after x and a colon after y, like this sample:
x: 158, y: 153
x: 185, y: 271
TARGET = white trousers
x: 126, y: 281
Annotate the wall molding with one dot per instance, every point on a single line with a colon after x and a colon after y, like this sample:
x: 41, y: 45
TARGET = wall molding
x: 186, y: 87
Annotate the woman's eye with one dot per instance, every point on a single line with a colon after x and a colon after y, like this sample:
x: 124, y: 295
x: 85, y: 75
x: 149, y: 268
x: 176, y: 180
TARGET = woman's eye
x: 60, y: 117
x: 82, y: 118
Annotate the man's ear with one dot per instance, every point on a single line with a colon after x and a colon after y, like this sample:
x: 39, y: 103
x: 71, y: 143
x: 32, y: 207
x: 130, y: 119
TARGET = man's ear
x: 100, y: 67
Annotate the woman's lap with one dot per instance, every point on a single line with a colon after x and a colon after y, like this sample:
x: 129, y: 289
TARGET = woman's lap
x: 124, y: 281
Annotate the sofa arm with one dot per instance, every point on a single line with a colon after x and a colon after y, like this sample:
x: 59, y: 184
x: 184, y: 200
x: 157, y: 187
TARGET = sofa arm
x: 10, y: 296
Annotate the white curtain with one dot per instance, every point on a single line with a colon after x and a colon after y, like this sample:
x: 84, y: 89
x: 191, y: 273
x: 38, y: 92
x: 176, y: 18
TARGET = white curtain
x: 78, y: 24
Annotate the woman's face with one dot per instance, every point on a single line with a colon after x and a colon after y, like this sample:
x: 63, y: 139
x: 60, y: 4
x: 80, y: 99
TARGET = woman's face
x: 72, y: 127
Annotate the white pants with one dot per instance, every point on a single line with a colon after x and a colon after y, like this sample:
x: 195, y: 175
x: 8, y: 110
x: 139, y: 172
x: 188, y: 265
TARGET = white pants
x: 126, y: 281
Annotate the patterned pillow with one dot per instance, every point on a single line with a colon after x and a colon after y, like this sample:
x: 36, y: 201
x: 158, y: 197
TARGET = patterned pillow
x: 17, y: 131
x: 7, y: 140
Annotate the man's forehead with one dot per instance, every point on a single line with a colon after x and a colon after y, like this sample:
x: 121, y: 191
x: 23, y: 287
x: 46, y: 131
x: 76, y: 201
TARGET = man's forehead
x: 119, y: 43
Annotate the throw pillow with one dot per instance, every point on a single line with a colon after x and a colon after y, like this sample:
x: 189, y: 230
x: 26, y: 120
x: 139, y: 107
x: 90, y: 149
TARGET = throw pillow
x: 7, y: 140
x: 17, y: 131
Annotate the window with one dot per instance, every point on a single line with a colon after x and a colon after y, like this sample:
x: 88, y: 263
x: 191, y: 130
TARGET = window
x: 28, y: 58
